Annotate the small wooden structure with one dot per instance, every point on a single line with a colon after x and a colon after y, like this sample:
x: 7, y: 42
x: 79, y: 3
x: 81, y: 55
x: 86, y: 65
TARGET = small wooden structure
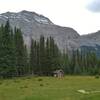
x: 59, y: 73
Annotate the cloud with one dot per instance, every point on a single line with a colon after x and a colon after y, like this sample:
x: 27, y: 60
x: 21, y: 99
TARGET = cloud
x: 94, y: 6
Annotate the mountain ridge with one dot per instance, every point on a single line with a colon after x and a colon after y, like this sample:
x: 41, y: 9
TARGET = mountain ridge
x: 33, y: 25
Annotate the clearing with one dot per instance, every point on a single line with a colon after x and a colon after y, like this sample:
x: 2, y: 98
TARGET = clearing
x: 50, y: 88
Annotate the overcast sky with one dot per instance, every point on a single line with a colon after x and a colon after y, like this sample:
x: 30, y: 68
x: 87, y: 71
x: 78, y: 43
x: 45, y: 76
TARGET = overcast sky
x: 82, y: 15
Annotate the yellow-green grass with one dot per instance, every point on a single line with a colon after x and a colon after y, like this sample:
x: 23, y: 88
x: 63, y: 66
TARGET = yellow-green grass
x: 49, y: 88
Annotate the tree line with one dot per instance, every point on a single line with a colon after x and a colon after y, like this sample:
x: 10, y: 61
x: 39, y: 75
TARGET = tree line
x: 43, y: 57
x: 81, y: 62
x: 15, y: 60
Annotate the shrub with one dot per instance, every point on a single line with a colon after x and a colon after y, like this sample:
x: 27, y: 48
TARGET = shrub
x: 40, y: 79
x: 28, y: 77
x: 16, y: 81
x: 25, y: 86
x: 41, y: 84
x: 23, y: 78
x: 0, y: 83
x: 97, y: 76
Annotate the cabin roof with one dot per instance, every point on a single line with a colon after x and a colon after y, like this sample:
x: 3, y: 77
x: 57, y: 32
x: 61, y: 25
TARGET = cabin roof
x: 58, y: 71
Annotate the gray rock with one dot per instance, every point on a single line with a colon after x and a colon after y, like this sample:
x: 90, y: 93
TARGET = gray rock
x: 33, y: 25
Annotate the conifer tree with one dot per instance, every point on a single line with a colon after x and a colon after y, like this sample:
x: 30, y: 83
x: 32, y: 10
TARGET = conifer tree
x: 33, y: 57
x: 21, y: 59
x: 6, y: 49
x: 42, y: 55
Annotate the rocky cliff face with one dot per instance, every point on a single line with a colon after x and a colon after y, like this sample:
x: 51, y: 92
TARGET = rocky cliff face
x: 33, y: 25
x: 90, y: 42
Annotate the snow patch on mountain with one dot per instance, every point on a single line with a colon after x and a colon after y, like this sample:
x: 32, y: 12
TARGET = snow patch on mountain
x: 42, y: 19
x: 34, y: 25
x: 4, y: 16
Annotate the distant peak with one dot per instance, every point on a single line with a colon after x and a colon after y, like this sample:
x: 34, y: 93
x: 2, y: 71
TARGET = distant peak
x: 27, y: 16
x: 37, y: 17
x: 24, y: 11
x: 28, y: 12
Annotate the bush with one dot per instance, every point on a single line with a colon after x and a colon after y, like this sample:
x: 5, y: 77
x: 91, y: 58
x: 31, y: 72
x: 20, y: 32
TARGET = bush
x: 40, y: 79
x: 25, y: 86
x: 41, y: 84
x: 16, y: 81
x: 97, y: 76
x: 28, y: 77
x: 0, y: 83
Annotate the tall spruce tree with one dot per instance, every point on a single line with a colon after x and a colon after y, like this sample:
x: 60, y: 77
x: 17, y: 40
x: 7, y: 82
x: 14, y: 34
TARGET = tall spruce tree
x: 33, y: 57
x: 42, y: 55
x: 65, y: 63
x: 48, y: 58
x: 6, y: 51
x: 52, y: 55
x: 20, y: 51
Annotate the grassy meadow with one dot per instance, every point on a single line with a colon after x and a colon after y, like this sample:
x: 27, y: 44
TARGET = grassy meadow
x: 50, y: 88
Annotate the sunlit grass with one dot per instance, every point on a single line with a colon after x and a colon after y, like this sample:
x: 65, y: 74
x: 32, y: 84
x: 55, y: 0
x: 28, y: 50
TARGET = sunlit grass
x: 49, y: 88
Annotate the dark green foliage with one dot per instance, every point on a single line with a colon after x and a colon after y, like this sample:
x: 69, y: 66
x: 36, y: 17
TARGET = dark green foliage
x: 97, y: 76
x: 20, y: 52
x: 41, y: 85
x: 82, y: 63
x: 52, y: 56
x: 16, y: 81
x: 7, y: 61
x: 1, y: 83
x: 40, y: 79
x: 13, y: 53
x: 44, y: 56
x: 34, y: 57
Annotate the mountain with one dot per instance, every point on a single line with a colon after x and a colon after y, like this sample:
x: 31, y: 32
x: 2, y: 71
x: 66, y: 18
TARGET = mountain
x: 90, y: 42
x: 33, y: 25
